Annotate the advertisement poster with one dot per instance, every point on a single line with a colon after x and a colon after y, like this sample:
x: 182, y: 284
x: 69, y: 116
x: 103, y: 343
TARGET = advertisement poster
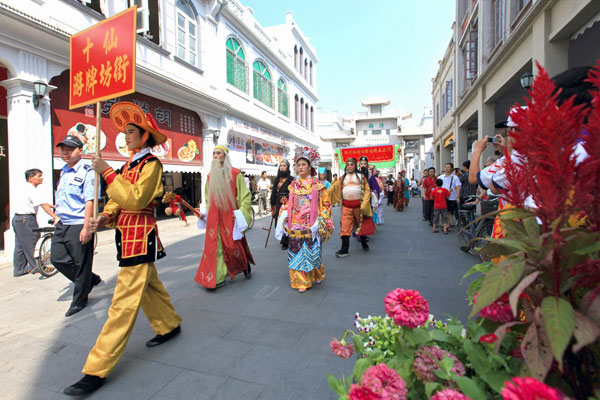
x: 182, y: 127
x: 256, y: 152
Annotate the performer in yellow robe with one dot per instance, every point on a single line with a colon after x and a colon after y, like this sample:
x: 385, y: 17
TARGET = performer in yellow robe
x: 134, y: 192
x: 306, y: 218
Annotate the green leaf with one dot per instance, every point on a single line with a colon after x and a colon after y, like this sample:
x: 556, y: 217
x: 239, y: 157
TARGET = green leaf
x: 476, y: 356
x: 431, y: 387
x: 358, y: 346
x: 482, y: 268
x: 591, y: 249
x: 585, y: 331
x: 532, y: 227
x: 197, y: 151
x: 440, y: 373
x: 455, y: 330
x: 515, y: 213
x: 417, y: 337
x: 447, y: 363
x: 559, y: 322
x: 470, y: 388
x: 501, y: 332
x: 336, y: 385
x: 516, y: 292
x: 497, y: 282
x: 536, y: 350
x: 496, y: 380
x: 440, y: 336
x: 360, y: 367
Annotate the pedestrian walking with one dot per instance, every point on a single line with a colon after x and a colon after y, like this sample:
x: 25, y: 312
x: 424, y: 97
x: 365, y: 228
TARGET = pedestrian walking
x: 452, y: 183
x: 353, y: 191
x: 399, y: 189
x: 440, y: 206
x: 263, y: 186
x: 226, y: 250
x: 390, y: 189
x: 24, y: 222
x: 428, y: 186
x: 306, y: 218
x: 72, y: 251
x: 280, y: 192
x: 133, y: 194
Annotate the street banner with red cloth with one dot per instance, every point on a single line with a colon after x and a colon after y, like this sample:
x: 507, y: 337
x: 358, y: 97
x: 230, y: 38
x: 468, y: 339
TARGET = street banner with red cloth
x: 103, y: 60
x: 384, y: 156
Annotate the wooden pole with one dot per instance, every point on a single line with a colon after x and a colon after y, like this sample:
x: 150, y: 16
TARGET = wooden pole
x: 98, y: 140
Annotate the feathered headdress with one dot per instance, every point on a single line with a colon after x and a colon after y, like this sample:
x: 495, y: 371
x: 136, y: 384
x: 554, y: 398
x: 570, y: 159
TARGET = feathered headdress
x: 309, y: 154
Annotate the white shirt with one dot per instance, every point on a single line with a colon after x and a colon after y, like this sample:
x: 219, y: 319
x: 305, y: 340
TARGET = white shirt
x: 451, y: 183
x: 263, y: 184
x: 29, y: 200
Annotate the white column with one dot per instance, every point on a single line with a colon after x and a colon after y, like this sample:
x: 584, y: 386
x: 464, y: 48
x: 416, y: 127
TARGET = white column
x: 29, y: 146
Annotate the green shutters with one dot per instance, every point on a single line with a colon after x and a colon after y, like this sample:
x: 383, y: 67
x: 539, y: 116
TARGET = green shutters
x: 263, y: 87
x: 282, y: 97
x: 237, y: 69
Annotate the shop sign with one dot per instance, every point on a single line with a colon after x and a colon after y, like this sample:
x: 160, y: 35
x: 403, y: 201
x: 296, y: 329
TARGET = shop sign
x: 103, y: 60
x: 253, y: 151
x: 183, y: 127
x: 258, y: 132
x: 382, y: 156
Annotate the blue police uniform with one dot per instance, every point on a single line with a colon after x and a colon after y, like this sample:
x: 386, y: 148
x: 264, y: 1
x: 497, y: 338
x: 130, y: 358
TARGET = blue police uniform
x: 72, y: 258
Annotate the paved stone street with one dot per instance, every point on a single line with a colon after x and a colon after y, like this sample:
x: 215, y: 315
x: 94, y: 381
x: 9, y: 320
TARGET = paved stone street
x: 254, y: 339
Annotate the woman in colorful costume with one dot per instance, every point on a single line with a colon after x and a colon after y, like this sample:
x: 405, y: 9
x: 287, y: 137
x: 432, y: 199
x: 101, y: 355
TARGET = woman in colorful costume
x: 134, y: 193
x: 400, y: 189
x: 226, y: 251
x: 306, y: 219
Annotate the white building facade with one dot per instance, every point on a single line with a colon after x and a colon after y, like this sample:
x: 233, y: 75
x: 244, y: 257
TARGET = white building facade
x: 206, y: 70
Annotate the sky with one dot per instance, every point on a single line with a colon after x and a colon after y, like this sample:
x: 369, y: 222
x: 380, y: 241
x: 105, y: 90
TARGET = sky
x: 370, y: 48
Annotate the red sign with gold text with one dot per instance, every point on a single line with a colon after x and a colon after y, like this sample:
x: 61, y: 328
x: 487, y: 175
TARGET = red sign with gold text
x: 103, y: 60
x: 183, y: 127
x: 375, y: 154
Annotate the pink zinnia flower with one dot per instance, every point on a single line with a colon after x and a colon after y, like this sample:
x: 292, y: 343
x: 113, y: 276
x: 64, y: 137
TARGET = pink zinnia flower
x: 529, y: 389
x: 489, y: 338
x: 406, y: 307
x: 449, y: 394
x: 425, y: 363
x: 379, y: 382
x: 498, y: 311
x: 341, y: 350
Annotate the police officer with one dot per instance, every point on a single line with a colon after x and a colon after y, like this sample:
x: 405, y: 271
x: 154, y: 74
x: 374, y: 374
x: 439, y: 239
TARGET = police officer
x: 72, y: 245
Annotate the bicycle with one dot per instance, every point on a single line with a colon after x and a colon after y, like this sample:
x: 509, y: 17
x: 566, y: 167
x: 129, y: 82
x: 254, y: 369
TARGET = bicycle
x: 43, y: 249
x: 473, y: 235
x: 251, y: 224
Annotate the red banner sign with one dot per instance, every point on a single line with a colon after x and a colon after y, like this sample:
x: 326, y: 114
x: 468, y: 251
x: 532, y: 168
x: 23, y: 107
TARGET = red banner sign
x: 375, y: 154
x: 183, y: 127
x: 103, y: 60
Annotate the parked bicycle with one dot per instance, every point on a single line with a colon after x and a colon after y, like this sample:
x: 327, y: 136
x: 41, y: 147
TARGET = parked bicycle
x: 473, y: 235
x: 43, y: 248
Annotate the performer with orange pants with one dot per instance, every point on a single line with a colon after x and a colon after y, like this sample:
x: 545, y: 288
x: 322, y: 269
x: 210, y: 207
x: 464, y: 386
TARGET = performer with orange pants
x: 134, y: 193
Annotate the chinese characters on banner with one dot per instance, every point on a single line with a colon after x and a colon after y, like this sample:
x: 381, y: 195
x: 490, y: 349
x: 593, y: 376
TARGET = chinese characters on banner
x: 103, y: 60
x: 375, y: 154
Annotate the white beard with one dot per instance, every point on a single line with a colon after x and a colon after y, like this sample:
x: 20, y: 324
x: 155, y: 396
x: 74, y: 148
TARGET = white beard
x: 219, y: 184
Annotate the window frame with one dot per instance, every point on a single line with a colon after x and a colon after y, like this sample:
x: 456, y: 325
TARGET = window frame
x: 188, y: 49
x: 262, y: 83
x: 233, y: 55
x: 283, y: 99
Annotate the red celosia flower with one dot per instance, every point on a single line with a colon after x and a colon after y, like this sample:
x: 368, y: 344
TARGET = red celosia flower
x: 498, y: 311
x: 426, y: 362
x: 449, y: 394
x: 379, y: 382
x: 341, y: 350
x: 406, y: 307
x: 489, y: 338
x: 529, y: 389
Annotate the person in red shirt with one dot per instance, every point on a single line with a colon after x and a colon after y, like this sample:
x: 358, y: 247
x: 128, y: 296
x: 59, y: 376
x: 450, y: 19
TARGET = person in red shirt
x: 428, y: 186
x: 440, y: 208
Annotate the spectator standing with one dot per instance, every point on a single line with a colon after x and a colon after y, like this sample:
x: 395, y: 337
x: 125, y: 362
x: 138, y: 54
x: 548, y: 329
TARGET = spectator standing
x: 440, y: 212
x: 24, y: 222
x: 72, y: 251
x: 324, y: 181
x: 390, y: 189
x: 263, y: 186
x: 452, y: 183
x: 428, y: 186
x: 466, y: 189
x: 423, y: 199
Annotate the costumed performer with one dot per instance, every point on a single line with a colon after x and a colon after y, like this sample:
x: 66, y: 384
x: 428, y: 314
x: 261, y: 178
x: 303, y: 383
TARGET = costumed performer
x: 352, y: 189
x: 229, y: 212
x: 279, y: 192
x: 134, y: 193
x: 306, y: 218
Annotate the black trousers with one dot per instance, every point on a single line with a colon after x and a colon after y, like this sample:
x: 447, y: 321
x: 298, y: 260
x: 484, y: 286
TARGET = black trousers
x: 25, y: 240
x: 428, y: 210
x: 74, y: 260
x: 390, y: 198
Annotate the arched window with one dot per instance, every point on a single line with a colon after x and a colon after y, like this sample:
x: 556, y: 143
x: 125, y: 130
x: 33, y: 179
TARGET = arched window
x: 296, y: 108
x: 305, y: 68
x: 263, y: 87
x: 187, y: 33
x: 237, y: 69
x: 302, y: 111
x: 282, y: 98
x: 306, y: 116
x: 311, y: 73
x: 312, y: 119
x: 300, y: 60
x: 296, y: 57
